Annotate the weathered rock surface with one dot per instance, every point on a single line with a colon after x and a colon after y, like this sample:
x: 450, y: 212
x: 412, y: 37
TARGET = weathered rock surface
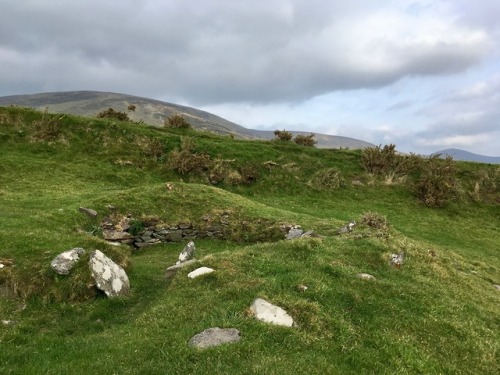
x: 366, y: 276
x: 109, y: 276
x: 269, y: 313
x: 200, y: 271
x: 187, y: 253
x: 294, y: 233
x: 214, y: 337
x: 397, y: 260
x: 88, y: 211
x: 64, y: 262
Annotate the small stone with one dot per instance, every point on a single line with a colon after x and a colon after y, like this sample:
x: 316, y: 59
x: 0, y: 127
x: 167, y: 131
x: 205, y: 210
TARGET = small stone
x: 347, y: 228
x: 397, y: 260
x: 269, y: 313
x: 9, y: 323
x: 302, y: 288
x: 309, y: 233
x: 88, y: 211
x: 497, y: 287
x: 366, y: 276
x: 200, y: 271
x: 214, y: 337
x: 1, y: 266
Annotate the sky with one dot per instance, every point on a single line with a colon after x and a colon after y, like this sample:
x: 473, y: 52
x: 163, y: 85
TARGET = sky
x: 422, y: 74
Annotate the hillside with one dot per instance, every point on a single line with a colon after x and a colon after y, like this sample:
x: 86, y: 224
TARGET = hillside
x: 435, y: 311
x: 469, y: 156
x: 153, y: 112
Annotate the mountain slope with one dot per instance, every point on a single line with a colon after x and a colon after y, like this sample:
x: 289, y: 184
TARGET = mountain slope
x: 463, y: 155
x: 154, y: 112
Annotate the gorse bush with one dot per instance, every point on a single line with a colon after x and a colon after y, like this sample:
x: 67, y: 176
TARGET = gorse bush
x: 176, y: 121
x: 110, y: 113
x: 327, y: 179
x: 437, y: 183
x: 305, y: 140
x: 48, y: 127
x: 187, y: 159
x: 282, y: 135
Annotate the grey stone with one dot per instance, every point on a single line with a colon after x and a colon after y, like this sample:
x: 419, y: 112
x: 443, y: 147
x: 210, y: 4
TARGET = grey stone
x: 397, y: 260
x: 109, y: 276
x: 294, y: 233
x: 88, y: 211
x: 347, y: 228
x: 269, y: 313
x: 64, y: 262
x: 497, y: 287
x: 187, y: 253
x: 172, y: 270
x: 309, y: 233
x: 174, y: 236
x: 214, y: 337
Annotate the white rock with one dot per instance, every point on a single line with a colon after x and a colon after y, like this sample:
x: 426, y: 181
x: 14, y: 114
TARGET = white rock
x: 214, y: 337
x: 200, y: 271
x: 64, y: 262
x: 366, y: 276
x: 269, y: 313
x: 187, y: 253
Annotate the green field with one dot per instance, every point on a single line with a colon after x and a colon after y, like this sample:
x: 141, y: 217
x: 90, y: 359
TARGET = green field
x: 437, y: 314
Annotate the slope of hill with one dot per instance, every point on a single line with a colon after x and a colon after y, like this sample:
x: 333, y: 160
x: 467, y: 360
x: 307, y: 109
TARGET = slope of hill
x: 463, y: 155
x: 153, y: 112
x: 436, y: 312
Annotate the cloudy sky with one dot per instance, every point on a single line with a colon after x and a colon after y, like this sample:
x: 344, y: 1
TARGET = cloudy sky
x: 423, y: 74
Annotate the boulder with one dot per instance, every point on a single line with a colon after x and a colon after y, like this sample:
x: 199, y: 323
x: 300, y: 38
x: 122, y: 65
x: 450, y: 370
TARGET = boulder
x: 200, y: 271
x: 187, y: 253
x: 109, y: 276
x: 64, y: 262
x: 214, y: 337
x: 269, y: 313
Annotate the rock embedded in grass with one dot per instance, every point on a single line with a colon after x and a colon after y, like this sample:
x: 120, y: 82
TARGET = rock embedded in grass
x: 214, y: 337
x: 365, y: 276
x: 269, y: 313
x: 88, y: 211
x: 294, y: 233
x: 64, y: 262
x: 187, y: 253
x: 199, y: 272
x: 109, y: 276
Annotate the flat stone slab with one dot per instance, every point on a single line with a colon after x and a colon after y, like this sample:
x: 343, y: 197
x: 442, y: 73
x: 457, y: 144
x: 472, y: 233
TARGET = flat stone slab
x: 64, y: 262
x: 109, y: 276
x: 172, y: 270
x: 88, y: 211
x: 214, y: 337
x: 269, y: 313
x: 365, y: 276
x: 200, y: 271
x: 294, y: 233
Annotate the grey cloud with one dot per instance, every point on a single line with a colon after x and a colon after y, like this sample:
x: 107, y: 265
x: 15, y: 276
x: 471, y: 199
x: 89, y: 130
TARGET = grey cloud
x: 217, y: 51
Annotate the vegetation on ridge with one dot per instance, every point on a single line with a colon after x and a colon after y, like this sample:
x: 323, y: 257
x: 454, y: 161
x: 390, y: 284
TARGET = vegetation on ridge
x: 438, y: 313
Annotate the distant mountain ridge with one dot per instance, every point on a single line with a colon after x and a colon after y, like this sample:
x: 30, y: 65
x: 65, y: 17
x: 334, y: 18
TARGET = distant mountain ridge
x: 154, y: 112
x: 463, y: 155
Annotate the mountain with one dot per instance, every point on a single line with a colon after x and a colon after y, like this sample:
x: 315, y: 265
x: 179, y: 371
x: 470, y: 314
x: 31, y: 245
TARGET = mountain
x: 463, y: 155
x: 154, y: 112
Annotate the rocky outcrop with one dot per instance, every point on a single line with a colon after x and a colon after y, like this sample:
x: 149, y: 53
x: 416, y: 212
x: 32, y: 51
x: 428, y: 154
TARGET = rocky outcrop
x: 64, y: 262
x: 109, y: 276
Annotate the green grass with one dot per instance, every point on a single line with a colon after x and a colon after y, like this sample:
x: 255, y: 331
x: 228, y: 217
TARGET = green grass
x: 438, y: 314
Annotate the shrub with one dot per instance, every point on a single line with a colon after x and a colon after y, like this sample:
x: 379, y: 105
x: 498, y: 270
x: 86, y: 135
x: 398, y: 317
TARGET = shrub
x: 327, y: 179
x: 305, y: 140
x: 437, y: 185
x: 385, y: 161
x: 282, y: 135
x: 48, y: 128
x: 176, y: 121
x: 187, y: 159
x: 112, y: 114
x: 374, y: 220
x: 249, y: 173
x: 131, y: 108
x: 155, y: 148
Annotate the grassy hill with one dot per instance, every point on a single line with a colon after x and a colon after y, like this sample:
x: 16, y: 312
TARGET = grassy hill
x: 438, y: 313
x: 154, y: 112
